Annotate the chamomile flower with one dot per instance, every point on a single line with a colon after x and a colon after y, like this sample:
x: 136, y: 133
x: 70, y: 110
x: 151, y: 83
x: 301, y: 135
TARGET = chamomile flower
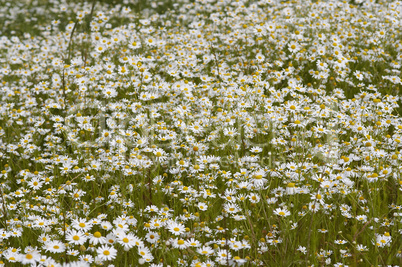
x: 144, y: 252
x: 283, y: 212
x: 31, y: 257
x: 126, y: 240
x: 82, y: 224
x: 176, y: 228
x: 55, y: 246
x: 205, y: 250
x: 193, y: 243
x: 259, y: 177
x: 97, y: 238
x: 202, y: 206
x: 106, y: 253
x: 294, y: 47
x: 178, y: 243
x: 160, y: 154
x: 256, y: 149
x: 76, y: 237
x: 383, y: 240
x: 152, y: 237
x: 231, y: 132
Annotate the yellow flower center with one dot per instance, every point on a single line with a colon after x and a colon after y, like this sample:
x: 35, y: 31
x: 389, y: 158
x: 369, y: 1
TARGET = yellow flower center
x: 97, y: 234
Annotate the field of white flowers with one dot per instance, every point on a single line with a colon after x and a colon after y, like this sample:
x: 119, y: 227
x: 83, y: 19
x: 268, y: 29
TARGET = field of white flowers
x: 200, y: 133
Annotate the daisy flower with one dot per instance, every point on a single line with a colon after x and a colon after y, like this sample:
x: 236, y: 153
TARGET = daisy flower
x: 106, y: 253
x: 259, y: 179
x: 178, y: 243
x: 293, y: 47
x: 160, y: 154
x: 82, y: 224
x: 283, y: 212
x: 97, y: 238
x: 176, y: 228
x: 205, y: 250
x: 127, y: 240
x: 230, y: 132
x: 152, y: 237
x: 383, y: 240
x: 340, y: 242
x: 202, y: 206
x: 193, y: 243
x: 30, y: 258
x: 256, y: 149
x: 76, y: 237
x: 144, y: 252
x: 12, y: 254
x: 55, y: 246
x: 87, y: 258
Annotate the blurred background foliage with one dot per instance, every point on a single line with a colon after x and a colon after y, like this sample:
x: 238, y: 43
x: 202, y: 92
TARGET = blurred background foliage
x: 30, y: 16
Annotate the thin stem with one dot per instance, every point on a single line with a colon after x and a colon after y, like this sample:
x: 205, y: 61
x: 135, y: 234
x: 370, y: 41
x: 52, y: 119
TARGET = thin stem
x: 309, y: 234
x: 5, y: 216
x: 70, y: 41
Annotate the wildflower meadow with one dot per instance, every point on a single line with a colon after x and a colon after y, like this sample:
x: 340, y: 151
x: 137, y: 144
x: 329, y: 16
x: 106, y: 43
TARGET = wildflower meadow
x: 200, y: 133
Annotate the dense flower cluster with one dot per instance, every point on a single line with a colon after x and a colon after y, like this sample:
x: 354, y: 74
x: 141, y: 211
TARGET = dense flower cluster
x: 258, y: 133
